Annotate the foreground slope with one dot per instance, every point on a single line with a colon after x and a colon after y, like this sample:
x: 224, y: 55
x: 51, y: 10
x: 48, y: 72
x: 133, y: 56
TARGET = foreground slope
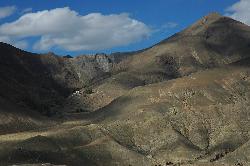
x: 203, y: 116
x: 201, y: 119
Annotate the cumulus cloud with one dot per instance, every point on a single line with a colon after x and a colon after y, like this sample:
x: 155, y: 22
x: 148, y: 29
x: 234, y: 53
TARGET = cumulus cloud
x: 67, y: 29
x: 240, y: 11
x: 7, y: 11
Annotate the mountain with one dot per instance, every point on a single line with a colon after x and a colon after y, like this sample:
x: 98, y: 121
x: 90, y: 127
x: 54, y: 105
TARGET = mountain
x: 214, y: 41
x: 183, y: 101
x: 42, y: 82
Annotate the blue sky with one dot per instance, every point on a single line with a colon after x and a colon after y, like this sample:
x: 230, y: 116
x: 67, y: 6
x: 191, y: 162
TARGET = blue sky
x: 144, y: 22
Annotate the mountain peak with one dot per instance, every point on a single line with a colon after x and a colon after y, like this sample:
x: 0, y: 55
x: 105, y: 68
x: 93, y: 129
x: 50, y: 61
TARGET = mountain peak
x: 203, y: 23
x: 211, y: 17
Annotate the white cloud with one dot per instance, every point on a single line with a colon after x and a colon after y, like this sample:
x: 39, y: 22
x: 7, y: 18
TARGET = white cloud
x: 21, y: 44
x: 7, y: 11
x: 169, y: 25
x: 14, y: 41
x: 27, y: 10
x: 165, y: 27
x: 66, y: 29
x: 240, y: 11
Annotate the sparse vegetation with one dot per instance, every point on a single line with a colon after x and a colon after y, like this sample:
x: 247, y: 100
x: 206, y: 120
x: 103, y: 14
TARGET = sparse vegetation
x: 79, y: 110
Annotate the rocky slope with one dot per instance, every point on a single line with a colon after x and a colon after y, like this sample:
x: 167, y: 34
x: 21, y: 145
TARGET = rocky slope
x: 214, y: 41
x: 183, y: 101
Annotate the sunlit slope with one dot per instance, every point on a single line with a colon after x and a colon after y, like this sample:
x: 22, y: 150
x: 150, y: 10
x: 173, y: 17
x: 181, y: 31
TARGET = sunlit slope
x: 185, y: 119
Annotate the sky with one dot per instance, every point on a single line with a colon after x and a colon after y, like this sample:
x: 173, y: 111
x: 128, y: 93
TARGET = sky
x: 93, y: 26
